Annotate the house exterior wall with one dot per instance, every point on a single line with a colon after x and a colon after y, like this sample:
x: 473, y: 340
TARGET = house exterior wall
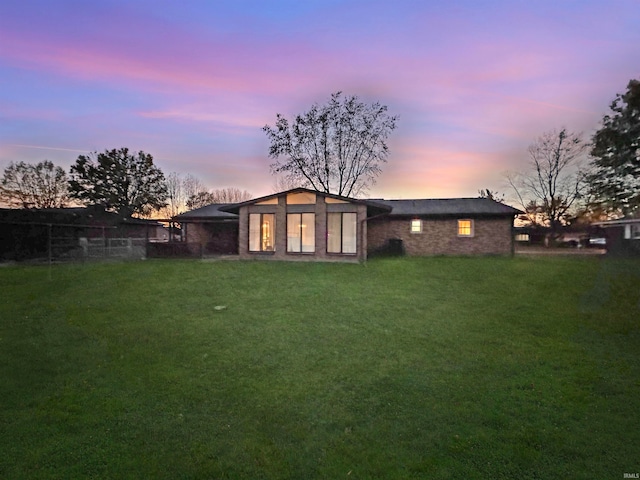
x: 213, y: 237
x: 620, y: 243
x: 320, y: 209
x: 491, y: 236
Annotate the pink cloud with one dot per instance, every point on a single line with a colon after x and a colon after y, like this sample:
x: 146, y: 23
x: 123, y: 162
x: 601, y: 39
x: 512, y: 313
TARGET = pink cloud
x: 190, y: 114
x: 438, y: 169
x: 43, y: 147
x: 471, y: 94
x: 196, y: 64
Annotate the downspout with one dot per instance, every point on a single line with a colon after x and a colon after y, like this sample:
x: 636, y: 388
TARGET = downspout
x: 513, y: 241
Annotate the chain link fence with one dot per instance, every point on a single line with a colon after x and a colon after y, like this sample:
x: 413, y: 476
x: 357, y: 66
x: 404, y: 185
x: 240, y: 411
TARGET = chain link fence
x: 83, y: 248
x: 60, y: 243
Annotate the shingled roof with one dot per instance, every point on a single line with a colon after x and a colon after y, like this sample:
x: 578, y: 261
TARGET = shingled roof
x: 449, y: 206
x: 80, y: 216
x: 419, y: 207
x: 208, y: 212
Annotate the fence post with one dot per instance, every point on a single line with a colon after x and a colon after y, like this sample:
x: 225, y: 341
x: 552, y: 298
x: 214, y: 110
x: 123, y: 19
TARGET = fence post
x: 49, y: 247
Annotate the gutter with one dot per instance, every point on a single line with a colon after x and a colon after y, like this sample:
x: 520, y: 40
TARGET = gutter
x: 615, y: 223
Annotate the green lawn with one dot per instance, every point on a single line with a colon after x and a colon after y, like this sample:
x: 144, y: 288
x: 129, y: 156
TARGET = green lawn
x: 467, y: 368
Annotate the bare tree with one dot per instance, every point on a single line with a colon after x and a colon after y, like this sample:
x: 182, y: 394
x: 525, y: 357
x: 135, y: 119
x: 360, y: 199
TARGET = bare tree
x: 491, y: 195
x: 191, y: 186
x: 230, y: 195
x: 42, y: 185
x: 185, y: 193
x: 222, y: 195
x: 335, y: 148
x: 284, y: 182
x: 555, y: 181
x: 175, y: 196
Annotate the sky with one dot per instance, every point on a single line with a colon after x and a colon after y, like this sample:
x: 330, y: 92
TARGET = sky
x: 473, y: 82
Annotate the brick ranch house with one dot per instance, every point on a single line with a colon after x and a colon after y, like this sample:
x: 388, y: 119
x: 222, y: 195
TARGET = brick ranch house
x: 623, y: 235
x: 304, y: 224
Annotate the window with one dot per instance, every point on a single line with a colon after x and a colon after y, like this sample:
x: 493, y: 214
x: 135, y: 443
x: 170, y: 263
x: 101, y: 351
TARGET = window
x: 465, y: 228
x: 632, y: 231
x: 416, y: 225
x: 341, y: 233
x: 270, y: 201
x: 305, y: 198
x: 262, y: 228
x: 301, y: 232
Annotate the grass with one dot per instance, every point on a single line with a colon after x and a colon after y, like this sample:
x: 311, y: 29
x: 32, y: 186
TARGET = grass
x: 403, y: 368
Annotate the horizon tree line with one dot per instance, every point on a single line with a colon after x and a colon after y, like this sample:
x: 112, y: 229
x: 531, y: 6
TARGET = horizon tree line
x: 116, y: 180
x: 339, y: 148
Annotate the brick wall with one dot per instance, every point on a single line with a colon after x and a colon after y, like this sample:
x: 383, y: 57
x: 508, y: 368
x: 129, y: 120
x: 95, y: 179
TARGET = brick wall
x: 213, y: 238
x: 492, y: 236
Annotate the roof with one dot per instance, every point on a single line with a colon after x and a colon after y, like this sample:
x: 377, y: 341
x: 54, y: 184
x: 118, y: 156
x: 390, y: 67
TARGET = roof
x: 628, y: 220
x: 79, y: 216
x: 374, y: 207
x: 208, y: 212
x: 419, y: 207
x: 449, y: 206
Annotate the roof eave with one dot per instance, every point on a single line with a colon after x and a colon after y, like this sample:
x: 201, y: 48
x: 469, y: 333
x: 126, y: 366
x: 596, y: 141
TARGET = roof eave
x: 235, y: 208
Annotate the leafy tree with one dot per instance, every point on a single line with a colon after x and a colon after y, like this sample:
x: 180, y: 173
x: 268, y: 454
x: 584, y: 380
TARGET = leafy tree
x: 335, y: 148
x: 555, y: 180
x: 42, y: 185
x: 615, y: 181
x: 127, y: 183
x: 200, y: 199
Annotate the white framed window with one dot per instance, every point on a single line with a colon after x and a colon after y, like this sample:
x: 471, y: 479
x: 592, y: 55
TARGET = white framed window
x: 301, y: 232
x: 262, y: 232
x: 632, y: 231
x: 465, y: 228
x: 342, y: 232
x: 416, y: 225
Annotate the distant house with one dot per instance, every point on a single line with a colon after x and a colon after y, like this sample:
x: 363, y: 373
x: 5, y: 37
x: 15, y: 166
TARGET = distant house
x: 576, y: 235
x: 303, y: 224
x: 623, y: 235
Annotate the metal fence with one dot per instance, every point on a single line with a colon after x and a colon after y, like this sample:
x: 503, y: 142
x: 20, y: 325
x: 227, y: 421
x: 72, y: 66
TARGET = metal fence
x: 42, y: 242
x: 83, y: 248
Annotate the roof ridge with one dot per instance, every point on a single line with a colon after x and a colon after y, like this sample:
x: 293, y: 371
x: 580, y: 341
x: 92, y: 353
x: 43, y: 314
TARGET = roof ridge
x: 420, y: 199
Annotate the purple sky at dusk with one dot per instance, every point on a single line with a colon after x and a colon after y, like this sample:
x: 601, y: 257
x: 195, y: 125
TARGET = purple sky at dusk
x: 192, y: 83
